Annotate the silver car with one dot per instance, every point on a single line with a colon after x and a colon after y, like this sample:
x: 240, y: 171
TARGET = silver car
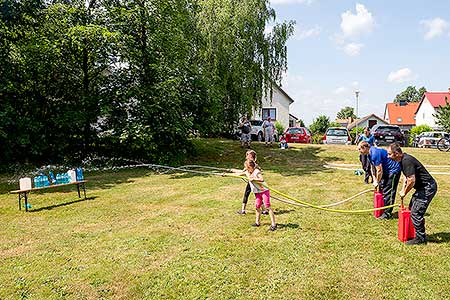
x: 430, y: 139
x: 337, y: 135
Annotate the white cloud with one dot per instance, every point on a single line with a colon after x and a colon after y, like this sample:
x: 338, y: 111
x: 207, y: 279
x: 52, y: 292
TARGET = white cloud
x: 435, y: 27
x: 281, y: 2
x: 354, y: 25
x: 303, y: 33
x: 353, y: 49
x: 340, y: 90
x: 402, y: 75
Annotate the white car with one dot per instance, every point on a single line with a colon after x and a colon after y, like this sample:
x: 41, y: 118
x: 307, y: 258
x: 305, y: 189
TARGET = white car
x: 258, y: 132
x: 430, y: 139
x: 337, y: 135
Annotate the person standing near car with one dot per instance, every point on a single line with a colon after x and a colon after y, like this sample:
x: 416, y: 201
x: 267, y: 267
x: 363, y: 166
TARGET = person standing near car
x: 246, y: 128
x: 269, y: 131
x: 365, y: 158
x: 419, y: 178
x: 386, y: 175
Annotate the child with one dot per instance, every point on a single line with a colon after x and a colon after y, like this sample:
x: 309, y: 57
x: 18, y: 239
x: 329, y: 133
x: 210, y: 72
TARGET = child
x: 262, y: 193
x: 283, y: 143
x: 249, y: 155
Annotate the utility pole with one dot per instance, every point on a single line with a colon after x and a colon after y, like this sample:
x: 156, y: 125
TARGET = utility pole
x: 357, y: 98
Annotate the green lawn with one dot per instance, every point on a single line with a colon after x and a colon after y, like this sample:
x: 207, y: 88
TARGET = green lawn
x: 142, y: 235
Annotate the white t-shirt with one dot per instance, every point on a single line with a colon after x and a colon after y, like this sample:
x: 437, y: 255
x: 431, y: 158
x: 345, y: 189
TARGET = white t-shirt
x: 256, y: 186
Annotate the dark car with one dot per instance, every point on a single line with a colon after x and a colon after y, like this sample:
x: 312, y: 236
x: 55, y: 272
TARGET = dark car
x: 387, y: 134
x: 297, y: 135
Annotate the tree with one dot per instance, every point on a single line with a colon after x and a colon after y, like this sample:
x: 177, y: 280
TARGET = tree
x: 410, y: 94
x: 320, y: 125
x: 301, y: 123
x: 345, y: 113
x: 442, y: 116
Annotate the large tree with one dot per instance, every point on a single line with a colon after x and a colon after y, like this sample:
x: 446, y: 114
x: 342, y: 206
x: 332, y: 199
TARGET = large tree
x: 345, y: 113
x: 410, y: 94
x: 130, y: 78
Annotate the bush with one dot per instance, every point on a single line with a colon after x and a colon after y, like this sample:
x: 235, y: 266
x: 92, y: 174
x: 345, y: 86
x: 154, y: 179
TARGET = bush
x: 416, y: 130
x: 279, y: 127
x: 317, y: 138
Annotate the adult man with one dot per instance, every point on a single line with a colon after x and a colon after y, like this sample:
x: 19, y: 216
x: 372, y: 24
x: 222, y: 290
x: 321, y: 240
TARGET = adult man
x: 386, y: 175
x: 424, y: 184
x: 365, y: 158
x: 269, y: 130
x: 246, y: 136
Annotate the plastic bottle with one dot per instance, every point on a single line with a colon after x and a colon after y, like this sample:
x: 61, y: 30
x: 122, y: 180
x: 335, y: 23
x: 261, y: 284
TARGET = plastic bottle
x: 79, y: 172
x: 52, y: 177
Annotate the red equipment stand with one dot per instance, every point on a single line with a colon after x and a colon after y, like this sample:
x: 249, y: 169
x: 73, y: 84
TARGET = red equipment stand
x: 378, y: 202
x: 406, y: 229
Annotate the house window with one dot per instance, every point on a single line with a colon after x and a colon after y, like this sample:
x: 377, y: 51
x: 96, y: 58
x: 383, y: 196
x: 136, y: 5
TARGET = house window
x: 269, y: 112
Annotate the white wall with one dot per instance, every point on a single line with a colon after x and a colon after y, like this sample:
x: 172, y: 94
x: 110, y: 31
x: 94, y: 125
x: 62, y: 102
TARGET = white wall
x: 280, y: 102
x: 425, y: 113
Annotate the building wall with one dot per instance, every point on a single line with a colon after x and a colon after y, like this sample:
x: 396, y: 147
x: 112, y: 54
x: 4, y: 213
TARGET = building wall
x: 425, y: 113
x: 280, y: 102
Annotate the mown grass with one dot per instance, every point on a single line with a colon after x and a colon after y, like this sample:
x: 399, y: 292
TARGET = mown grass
x: 144, y: 235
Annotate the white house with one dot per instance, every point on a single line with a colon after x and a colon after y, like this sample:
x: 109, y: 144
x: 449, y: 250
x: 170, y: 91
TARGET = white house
x: 367, y: 121
x: 277, y: 107
x: 428, y: 106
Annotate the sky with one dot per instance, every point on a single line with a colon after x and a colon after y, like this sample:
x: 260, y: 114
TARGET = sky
x: 376, y: 47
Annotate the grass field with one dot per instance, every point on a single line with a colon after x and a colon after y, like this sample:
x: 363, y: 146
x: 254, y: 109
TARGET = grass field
x: 144, y: 235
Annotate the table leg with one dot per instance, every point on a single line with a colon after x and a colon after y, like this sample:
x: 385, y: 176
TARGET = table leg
x: 78, y: 190
x: 20, y: 201
x: 26, y: 201
x: 84, y: 190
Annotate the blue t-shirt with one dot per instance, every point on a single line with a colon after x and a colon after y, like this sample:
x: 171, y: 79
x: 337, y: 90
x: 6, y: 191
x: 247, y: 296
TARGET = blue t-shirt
x: 379, y: 156
x: 370, y: 140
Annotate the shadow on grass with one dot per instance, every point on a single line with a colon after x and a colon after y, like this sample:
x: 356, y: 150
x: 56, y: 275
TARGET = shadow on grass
x: 61, y: 204
x: 288, y: 225
x: 283, y: 211
x: 218, y: 153
x: 438, y: 238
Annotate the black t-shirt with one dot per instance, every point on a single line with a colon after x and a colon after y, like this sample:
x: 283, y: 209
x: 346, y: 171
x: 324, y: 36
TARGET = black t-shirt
x: 411, y: 166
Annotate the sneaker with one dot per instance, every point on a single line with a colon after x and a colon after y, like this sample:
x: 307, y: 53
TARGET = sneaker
x: 241, y: 212
x: 384, y: 217
x: 273, y: 228
x: 256, y: 225
x: 416, y: 241
x: 265, y: 212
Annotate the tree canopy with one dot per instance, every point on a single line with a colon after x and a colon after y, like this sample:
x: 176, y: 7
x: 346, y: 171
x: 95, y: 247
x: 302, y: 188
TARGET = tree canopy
x: 410, y: 94
x: 130, y: 78
x: 320, y: 124
x: 345, y: 113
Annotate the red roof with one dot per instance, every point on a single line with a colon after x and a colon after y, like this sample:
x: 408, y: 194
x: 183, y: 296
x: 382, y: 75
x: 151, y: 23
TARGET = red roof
x: 437, y: 98
x: 402, y: 114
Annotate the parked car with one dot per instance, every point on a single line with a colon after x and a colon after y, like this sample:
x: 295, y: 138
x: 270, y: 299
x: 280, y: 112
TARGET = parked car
x: 297, y: 135
x: 337, y: 135
x: 430, y: 139
x: 257, y: 131
x: 387, y: 134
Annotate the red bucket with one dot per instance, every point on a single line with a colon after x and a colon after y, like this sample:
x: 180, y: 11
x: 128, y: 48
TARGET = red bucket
x: 406, y: 229
x: 378, y: 202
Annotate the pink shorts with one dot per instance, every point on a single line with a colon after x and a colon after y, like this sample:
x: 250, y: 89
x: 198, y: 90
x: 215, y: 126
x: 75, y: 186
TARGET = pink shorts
x: 260, y: 197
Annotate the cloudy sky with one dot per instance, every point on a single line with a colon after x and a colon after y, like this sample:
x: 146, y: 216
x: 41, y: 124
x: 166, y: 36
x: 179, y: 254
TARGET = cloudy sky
x: 376, y: 47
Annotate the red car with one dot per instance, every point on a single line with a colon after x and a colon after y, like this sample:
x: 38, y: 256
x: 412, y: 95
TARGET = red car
x: 297, y: 135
